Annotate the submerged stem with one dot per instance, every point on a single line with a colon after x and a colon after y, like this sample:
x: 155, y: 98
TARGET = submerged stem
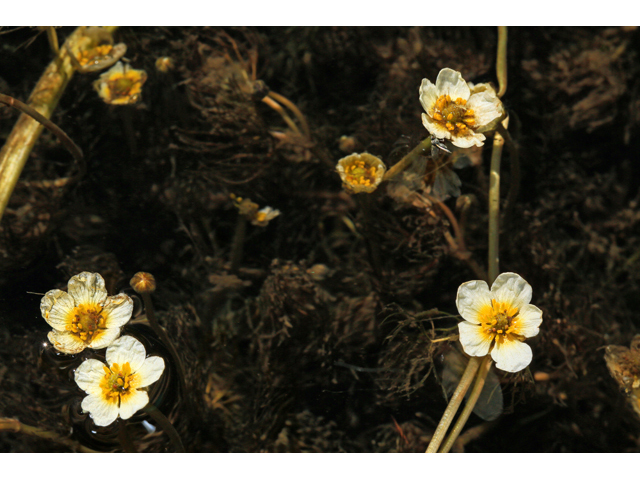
x: 166, y: 425
x: 494, y: 206
x: 485, y: 366
x: 454, y: 404
x: 501, y: 61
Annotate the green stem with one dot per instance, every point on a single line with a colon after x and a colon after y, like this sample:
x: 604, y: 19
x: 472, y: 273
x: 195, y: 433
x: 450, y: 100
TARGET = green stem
x: 485, y: 366
x: 423, y: 147
x: 454, y: 404
x: 501, y: 61
x: 494, y: 207
x: 364, y: 201
x: 165, y: 424
x: 238, y: 243
x: 153, y: 322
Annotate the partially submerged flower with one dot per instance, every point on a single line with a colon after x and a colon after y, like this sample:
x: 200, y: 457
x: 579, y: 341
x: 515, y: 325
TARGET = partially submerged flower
x: 120, y: 85
x: 96, y: 51
x: 498, y: 320
x: 118, y: 388
x: 458, y: 111
x: 361, y: 172
x: 84, y: 316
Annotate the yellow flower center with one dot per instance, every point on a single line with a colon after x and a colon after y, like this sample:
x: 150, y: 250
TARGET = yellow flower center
x: 117, y: 383
x: 453, y: 115
x: 359, y: 173
x: 94, y: 55
x: 86, y: 321
x: 499, y: 320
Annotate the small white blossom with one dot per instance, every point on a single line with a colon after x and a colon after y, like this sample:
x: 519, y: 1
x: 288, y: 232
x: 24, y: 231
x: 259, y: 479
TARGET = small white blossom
x: 84, y: 316
x: 498, y: 320
x: 118, y: 389
x: 458, y: 111
x: 264, y: 216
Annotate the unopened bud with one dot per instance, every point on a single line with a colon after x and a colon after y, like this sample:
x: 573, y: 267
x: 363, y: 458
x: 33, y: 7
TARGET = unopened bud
x: 143, y: 282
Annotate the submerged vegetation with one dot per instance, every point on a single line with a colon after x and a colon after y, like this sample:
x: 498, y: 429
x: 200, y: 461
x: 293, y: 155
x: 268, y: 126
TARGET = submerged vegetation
x: 309, y: 203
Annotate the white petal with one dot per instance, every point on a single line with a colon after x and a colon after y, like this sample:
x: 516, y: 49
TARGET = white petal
x: 434, y: 127
x: 511, y: 355
x: 104, y: 338
x: 87, y: 288
x: 117, y: 310
x: 133, y: 402
x: 472, y: 297
x: 88, y: 376
x: 102, y: 412
x: 56, y: 306
x: 513, y: 289
x: 126, y: 349
x: 486, y: 108
x: 150, y: 371
x: 450, y: 82
x: 65, y: 342
x: 468, y: 141
x: 528, y: 321
x: 473, y: 340
x: 428, y: 95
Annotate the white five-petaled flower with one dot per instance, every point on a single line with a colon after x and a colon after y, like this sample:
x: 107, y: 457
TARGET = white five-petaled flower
x: 458, y: 111
x: 498, y: 320
x: 84, y: 316
x: 118, y: 388
x: 361, y: 172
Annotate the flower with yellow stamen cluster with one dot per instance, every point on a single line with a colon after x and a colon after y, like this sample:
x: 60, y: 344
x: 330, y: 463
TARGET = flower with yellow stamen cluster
x: 361, y: 172
x: 120, y: 85
x: 249, y: 210
x: 458, y: 111
x: 118, y: 388
x: 100, y: 57
x: 84, y: 316
x: 498, y: 320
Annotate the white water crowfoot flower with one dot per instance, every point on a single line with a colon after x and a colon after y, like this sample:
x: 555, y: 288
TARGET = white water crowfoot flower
x: 84, y: 316
x: 498, y: 320
x: 458, y: 111
x: 118, y: 388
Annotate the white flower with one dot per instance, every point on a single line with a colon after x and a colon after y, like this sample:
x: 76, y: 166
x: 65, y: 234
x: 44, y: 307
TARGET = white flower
x: 119, y: 388
x: 264, y: 216
x: 456, y: 111
x: 361, y: 172
x: 497, y: 321
x: 85, y: 316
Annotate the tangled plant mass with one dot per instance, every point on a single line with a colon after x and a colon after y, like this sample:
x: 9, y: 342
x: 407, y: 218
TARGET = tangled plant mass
x: 498, y: 320
x: 118, y: 388
x: 458, y: 111
x: 84, y: 316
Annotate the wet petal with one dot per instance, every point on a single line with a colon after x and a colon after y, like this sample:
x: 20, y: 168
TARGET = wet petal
x: 511, y: 288
x: 486, y: 107
x: 104, y: 338
x: 102, y: 412
x: 65, y: 342
x: 468, y: 141
x: 450, y: 82
x: 56, y: 306
x: 472, y: 297
x: 130, y: 404
x: 87, y: 288
x: 126, y: 349
x: 428, y: 95
x: 473, y: 339
x: 528, y: 321
x: 117, y: 310
x: 150, y: 371
x: 88, y: 376
x: 511, y: 355
x: 434, y: 127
